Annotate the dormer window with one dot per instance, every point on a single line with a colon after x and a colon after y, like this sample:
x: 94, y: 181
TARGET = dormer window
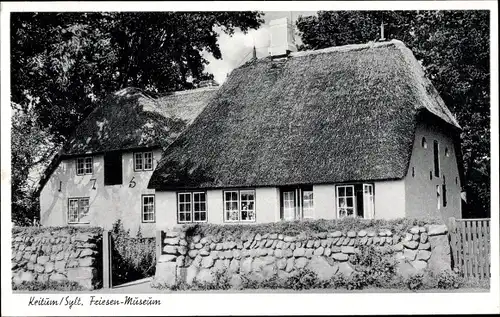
x: 84, y: 165
x: 143, y: 161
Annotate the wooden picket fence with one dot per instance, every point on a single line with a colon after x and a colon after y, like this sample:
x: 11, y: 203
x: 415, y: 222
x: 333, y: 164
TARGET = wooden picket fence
x: 470, y: 246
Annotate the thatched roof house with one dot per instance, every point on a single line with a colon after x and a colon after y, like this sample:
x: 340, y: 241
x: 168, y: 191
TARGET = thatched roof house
x: 328, y: 116
x: 129, y: 119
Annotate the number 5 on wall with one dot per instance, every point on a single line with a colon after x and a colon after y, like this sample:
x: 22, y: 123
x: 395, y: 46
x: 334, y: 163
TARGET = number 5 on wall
x: 132, y: 183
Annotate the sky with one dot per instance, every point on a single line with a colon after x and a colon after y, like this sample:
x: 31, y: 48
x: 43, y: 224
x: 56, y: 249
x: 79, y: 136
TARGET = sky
x: 238, y: 48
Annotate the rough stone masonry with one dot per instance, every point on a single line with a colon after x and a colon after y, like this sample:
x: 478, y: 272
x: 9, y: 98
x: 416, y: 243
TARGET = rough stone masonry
x: 262, y: 256
x: 56, y: 254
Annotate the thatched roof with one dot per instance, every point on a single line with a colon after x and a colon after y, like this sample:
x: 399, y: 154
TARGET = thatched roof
x: 130, y: 119
x: 333, y: 115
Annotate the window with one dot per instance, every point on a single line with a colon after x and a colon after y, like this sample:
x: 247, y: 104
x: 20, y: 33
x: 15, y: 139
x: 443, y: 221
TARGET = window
x: 307, y: 204
x: 200, y: 207
x: 113, y: 168
x: 239, y: 205
x: 143, y: 161
x: 356, y: 201
x: 191, y: 207
x: 84, y: 165
x: 148, y: 208
x: 345, y: 201
x: 438, y: 195
x: 424, y: 143
x: 78, y: 209
x: 445, y: 202
x: 436, y: 158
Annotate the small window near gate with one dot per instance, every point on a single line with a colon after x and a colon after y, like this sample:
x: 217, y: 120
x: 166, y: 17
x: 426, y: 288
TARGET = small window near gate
x: 78, y: 209
x: 148, y: 208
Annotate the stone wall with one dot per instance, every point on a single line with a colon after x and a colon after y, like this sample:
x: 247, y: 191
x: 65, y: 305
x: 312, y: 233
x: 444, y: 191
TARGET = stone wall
x: 185, y: 258
x: 57, y: 254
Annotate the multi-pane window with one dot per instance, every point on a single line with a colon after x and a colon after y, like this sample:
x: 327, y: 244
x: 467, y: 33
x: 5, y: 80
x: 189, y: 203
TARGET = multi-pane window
x: 84, y: 165
x: 307, y: 204
x: 345, y: 201
x: 148, y: 208
x: 356, y: 200
x: 191, y: 207
x: 143, y: 161
x: 239, y: 205
x: 78, y: 209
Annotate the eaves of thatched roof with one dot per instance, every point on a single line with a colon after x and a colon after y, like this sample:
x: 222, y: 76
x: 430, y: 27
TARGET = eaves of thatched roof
x: 130, y: 119
x: 333, y: 115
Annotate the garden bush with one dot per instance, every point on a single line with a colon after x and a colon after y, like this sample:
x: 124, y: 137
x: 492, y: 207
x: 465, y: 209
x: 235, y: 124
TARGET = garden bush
x: 415, y: 281
x: 302, y: 279
x: 133, y: 258
x: 377, y: 266
x: 47, y: 286
x: 448, y: 279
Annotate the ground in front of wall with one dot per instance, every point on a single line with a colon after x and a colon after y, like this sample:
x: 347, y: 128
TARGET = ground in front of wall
x: 144, y: 286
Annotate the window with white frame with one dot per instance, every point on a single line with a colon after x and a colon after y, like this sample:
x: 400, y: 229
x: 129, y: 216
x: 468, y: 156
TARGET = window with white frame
x: 239, y: 205
x: 199, y: 207
x: 356, y: 200
x: 143, y: 161
x: 148, y: 208
x: 78, y: 209
x: 308, y: 204
x: 345, y: 201
x: 84, y: 165
x: 191, y: 207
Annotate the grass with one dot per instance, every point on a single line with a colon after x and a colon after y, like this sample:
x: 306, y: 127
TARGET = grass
x: 31, y: 231
x: 309, y: 228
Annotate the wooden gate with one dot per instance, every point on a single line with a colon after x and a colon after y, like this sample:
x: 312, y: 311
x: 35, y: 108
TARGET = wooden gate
x: 470, y: 247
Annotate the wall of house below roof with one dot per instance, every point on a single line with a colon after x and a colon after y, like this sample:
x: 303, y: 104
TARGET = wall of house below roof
x: 266, y: 206
x: 107, y: 203
x: 389, y: 199
x: 421, y: 192
x: 324, y: 202
x: 389, y: 203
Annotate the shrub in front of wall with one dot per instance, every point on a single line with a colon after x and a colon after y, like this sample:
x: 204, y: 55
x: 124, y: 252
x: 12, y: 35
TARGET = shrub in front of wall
x: 376, y: 265
x: 448, y: 280
x: 302, y: 279
x: 357, y: 280
x: 47, y: 286
x: 415, y: 281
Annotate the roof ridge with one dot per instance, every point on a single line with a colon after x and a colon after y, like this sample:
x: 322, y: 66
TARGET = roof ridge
x: 347, y: 48
x: 190, y: 91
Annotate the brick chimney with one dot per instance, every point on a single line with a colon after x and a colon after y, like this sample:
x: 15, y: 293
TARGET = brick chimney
x: 282, y: 40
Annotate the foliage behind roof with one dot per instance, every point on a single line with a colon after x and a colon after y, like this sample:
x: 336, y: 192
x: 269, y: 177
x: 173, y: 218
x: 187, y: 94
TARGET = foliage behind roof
x: 332, y: 115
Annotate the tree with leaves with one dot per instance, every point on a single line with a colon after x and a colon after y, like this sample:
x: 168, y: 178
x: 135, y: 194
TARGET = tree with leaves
x: 63, y: 64
x: 453, y: 48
